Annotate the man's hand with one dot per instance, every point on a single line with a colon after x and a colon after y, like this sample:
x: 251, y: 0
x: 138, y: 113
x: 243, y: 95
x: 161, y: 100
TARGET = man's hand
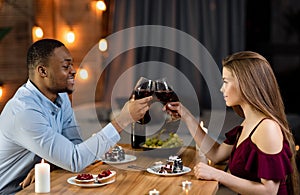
x: 28, y: 180
x: 132, y: 111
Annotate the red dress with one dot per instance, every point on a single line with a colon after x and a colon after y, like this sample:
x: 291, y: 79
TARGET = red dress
x: 249, y: 162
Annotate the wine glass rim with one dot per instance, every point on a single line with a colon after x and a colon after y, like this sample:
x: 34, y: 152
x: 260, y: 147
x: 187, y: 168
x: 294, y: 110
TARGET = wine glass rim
x: 142, y: 80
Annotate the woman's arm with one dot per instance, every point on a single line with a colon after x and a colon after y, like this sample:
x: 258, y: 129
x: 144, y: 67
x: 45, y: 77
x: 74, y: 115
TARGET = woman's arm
x: 239, y: 185
x: 214, y: 151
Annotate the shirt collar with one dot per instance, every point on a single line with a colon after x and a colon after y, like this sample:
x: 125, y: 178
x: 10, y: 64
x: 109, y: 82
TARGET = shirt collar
x: 54, y: 107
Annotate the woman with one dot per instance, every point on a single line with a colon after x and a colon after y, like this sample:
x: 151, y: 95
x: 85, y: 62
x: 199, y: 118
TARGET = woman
x: 261, y: 151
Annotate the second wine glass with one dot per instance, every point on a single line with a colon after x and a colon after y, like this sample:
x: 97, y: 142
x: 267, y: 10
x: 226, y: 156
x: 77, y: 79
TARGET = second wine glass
x: 165, y: 94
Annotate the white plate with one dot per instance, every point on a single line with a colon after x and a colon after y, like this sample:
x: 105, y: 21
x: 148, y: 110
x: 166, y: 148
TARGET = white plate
x: 157, y: 167
x: 128, y: 158
x: 71, y: 180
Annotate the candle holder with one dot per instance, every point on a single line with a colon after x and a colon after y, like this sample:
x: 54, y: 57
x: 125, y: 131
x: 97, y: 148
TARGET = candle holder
x: 186, y: 185
x: 154, y: 192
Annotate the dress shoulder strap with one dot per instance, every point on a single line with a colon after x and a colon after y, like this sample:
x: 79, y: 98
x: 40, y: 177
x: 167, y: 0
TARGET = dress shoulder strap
x: 256, y: 126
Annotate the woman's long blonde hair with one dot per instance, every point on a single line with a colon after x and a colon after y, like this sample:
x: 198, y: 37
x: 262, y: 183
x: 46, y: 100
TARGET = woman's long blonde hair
x: 260, y: 89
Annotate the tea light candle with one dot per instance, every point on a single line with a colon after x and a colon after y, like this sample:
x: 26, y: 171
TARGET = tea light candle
x: 42, y: 177
x: 153, y: 192
x: 186, y: 184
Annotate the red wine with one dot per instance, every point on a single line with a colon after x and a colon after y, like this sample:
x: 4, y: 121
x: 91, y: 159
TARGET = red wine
x: 166, y: 96
x: 139, y: 94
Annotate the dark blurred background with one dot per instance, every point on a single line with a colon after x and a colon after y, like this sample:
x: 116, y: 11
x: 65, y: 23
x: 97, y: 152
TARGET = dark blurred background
x: 268, y: 27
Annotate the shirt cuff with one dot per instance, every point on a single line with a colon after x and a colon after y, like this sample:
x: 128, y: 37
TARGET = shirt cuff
x: 111, y: 133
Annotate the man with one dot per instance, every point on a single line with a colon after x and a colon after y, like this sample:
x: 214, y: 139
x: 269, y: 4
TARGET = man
x: 39, y: 123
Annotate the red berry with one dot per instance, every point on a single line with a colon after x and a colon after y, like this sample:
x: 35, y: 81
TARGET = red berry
x: 104, y: 173
x: 84, y: 176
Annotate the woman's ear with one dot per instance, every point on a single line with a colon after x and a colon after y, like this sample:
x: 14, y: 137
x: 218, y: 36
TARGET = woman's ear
x: 42, y: 71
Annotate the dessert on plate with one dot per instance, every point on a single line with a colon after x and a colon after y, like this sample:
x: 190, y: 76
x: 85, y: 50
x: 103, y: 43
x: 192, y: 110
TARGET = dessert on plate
x: 106, y: 176
x: 85, y: 178
x: 173, y: 165
x: 117, y: 153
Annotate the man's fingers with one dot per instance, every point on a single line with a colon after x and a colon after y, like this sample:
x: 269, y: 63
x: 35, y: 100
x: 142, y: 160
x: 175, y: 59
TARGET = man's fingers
x: 25, y: 182
x: 132, y: 98
x: 30, y: 178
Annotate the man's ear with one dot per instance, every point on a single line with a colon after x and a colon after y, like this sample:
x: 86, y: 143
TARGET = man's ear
x: 42, y: 70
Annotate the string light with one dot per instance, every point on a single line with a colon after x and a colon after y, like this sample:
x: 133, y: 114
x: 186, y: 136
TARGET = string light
x: 70, y: 36
x: 37, y: 33
x: 103, y: 45
x: 83, y: 74
x: 1, y: 89
x: 100, y: 5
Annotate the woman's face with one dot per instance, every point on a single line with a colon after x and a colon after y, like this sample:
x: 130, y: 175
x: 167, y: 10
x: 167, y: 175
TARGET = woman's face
x: 230, y: 89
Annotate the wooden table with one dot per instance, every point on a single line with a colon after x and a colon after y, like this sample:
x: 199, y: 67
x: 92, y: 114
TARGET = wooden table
x: 136, y: 181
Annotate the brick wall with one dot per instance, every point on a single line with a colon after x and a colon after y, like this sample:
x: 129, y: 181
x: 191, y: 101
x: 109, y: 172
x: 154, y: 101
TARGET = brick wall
x: 13, y: 47
x: 54, y: 17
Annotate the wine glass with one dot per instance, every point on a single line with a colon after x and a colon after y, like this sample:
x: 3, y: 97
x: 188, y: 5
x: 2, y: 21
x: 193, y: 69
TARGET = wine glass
x: 165, y: 94
x: 144, y: 88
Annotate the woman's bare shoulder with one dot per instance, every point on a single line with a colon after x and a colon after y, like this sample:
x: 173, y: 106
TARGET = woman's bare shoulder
x: 268, y: 137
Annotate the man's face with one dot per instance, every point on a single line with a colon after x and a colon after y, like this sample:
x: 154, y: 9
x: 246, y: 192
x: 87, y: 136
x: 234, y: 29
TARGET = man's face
x: 61, y: 73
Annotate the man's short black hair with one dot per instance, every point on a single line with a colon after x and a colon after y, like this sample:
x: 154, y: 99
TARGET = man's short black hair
x: 40, y: 51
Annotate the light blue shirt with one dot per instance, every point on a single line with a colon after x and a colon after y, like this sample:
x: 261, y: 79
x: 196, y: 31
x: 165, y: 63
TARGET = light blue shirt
x: 32, y: 127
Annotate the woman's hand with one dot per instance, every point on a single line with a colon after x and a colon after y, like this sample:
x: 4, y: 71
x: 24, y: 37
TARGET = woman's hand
x: 207, y: 172
x: 176, y: 110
